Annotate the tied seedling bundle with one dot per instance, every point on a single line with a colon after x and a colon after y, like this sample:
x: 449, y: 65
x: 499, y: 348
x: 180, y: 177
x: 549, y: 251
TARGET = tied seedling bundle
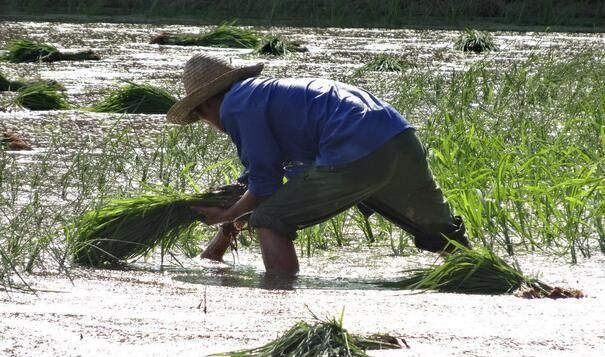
x: 131, y: 227
x: 276, y: 46
x: 12, y: 86
x: 322, y: 338
x: 41, y: 96
x: 475, y: 41
x: 225, y: 35
x: 25, y: 50
x: 136, y: 99
x: 478, y: 271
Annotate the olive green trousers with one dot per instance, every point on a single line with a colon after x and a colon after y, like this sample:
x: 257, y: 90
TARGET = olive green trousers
x: 395, y: 181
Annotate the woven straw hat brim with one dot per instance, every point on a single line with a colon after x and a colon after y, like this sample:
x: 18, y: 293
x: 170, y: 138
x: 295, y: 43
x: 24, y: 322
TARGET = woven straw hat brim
x: 181, y: 111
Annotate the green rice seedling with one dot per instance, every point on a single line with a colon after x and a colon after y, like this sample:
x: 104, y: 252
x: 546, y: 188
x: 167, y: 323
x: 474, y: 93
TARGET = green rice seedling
x: 322, y: 338
x: 41, y: 96
x: 25, y: 50
x: 475, y: 41
x: 8, y: 85
x: 131, y: 227
x: 136, y: 98
x: 225, y: 35
x: 473, y: 271
x: 383, y: 62
x: 276, y: 46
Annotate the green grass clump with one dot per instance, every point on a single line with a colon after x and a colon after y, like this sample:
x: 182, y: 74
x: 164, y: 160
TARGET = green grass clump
x: 383, y: 62
x: 323, y: 338
x: 25, y: 50
x: 470, y: 271
x: 131, y: 227
x: 8, y: 85
x: 276, y: 46
x: 225, y: 35
x: 41, y: 96
x: 136, y: 98
x: 475, y: 41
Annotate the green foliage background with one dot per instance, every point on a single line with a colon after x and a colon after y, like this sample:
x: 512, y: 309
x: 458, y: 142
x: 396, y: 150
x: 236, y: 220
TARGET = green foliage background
x: 354, y: 13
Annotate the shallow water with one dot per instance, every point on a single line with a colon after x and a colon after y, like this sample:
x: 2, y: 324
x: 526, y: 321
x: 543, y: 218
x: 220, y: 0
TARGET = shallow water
x: 157, y: 312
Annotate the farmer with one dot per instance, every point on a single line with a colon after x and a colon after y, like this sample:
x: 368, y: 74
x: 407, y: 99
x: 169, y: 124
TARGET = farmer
x: 337, y: 145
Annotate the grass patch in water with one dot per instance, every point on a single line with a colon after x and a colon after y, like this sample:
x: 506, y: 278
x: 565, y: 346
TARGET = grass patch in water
x: 475, y: 41
x: 383, y: 62
x: 11, y: 86
x: 224, y: 35
x: 41, y: 96
x: 136, y: 99
x: 322, y: 338
x: 131, y: 227
x: 25, y: 50
x: 475, y: 271
x: 276, y: 46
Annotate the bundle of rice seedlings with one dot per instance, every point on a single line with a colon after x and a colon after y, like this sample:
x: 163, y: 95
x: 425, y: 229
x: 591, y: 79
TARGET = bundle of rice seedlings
x: 276, y: 46
x: 136, y: 98
x: 323, y: 338
x: 473, y: 271
x: 25, y: 50
x: 383, y: 62
x: 126, y: 228
x: 475, y: 41
x: 225, y: 35
x: 8, y: 85
x: 41, y: 96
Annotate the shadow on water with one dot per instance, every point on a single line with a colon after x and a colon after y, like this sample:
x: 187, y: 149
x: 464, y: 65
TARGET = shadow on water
x: 246, y: 277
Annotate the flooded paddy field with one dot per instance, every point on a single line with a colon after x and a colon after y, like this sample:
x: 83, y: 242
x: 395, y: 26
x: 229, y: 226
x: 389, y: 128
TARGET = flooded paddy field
x: 190, y: 307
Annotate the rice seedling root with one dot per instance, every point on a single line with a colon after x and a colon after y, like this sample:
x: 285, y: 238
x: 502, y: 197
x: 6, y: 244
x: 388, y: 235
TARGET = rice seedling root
x: 535, y: 292
x: 12, y: 141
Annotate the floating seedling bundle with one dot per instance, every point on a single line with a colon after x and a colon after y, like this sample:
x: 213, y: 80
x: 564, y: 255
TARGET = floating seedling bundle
x: 8, y: 85
x: 478, y: 271
x: 322, y: 338
x: 225, y: 35
x: 131, y: 227
x: 475, y: 41
x: 41, y: 96
x: 136, y: 98
x: 276, y: 46
x: 25, y: 50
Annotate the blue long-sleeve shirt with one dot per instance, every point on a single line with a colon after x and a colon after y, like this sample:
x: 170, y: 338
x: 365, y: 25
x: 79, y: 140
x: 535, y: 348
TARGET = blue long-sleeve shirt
x: 275, y: 121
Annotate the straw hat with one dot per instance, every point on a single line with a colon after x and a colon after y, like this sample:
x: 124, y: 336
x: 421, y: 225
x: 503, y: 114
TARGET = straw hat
x: 205, y: 76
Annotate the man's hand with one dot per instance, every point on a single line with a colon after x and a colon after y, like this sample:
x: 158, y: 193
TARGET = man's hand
x: 211, y: 215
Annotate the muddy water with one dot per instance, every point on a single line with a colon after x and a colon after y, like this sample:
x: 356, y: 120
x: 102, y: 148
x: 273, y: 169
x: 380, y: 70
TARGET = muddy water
x: 193, y: 308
